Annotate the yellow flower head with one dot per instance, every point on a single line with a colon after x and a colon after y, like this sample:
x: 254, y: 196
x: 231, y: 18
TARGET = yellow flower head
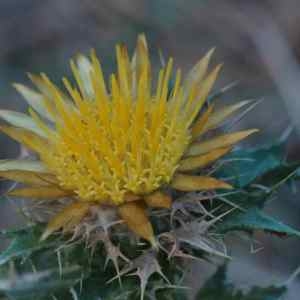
x: 118, y: 143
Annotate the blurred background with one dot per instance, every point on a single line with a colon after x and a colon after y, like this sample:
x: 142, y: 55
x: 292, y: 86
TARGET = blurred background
x: 258, y: 41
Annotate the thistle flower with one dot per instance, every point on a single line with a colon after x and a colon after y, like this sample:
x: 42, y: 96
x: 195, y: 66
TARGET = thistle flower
x: 119, y: 144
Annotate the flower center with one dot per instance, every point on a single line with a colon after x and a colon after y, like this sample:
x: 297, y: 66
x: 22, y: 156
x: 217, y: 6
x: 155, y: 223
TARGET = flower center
x: 104, y: 150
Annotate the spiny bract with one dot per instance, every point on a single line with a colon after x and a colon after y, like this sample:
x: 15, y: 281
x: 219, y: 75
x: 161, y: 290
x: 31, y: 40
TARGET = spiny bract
x: 119, y: 143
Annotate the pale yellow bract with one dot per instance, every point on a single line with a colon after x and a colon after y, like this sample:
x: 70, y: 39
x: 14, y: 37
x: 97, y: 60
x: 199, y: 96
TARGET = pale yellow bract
x: 118, y: 143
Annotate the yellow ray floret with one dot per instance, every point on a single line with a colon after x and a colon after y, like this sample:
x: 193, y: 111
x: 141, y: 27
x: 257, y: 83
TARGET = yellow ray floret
x: 189, y: 183
x: 26, y: 137
x: 158, y: 199
x: 119, y: 142
x: 203, y: 160
x: 29, y: 177
x: 40, y: 192
x: 218, y: 142
x: 135, y: 217
x: 68, y: 217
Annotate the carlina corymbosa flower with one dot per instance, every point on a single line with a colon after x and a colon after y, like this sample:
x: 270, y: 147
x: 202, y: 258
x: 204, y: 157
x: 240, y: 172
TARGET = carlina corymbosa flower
x: 121, y: 143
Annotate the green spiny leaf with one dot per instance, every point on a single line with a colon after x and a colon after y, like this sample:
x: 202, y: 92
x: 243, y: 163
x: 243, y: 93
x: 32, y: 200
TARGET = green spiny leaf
x: 247, y: 165
x: 255, y: 219
x: 279, y: 176
x: 25, y: 243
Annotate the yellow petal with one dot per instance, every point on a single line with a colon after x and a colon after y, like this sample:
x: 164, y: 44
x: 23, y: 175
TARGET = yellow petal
x: 201, y: 161
x: 34, y: 99
x: 189, y: 183
x: 29, y: 177
x: 200, y: 125
x: 220, y: 115
x: 41, y: 192
x: 124, y: 76
x: 26, y: 137
x: 40, y: 84
x: 140, y: 57
x: 158, y: 199
x: 98, y: 78
x: 204, y: 89
x: 218, y: 142
x: 129, y: 197
x: 45, y: 90
x: 68, y: 217
x: 134, y: 215
x: 85, y: 69
x: 22, y: 165
x: 140, y: 64
x: 198, y: 71
x: 20, y: 120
